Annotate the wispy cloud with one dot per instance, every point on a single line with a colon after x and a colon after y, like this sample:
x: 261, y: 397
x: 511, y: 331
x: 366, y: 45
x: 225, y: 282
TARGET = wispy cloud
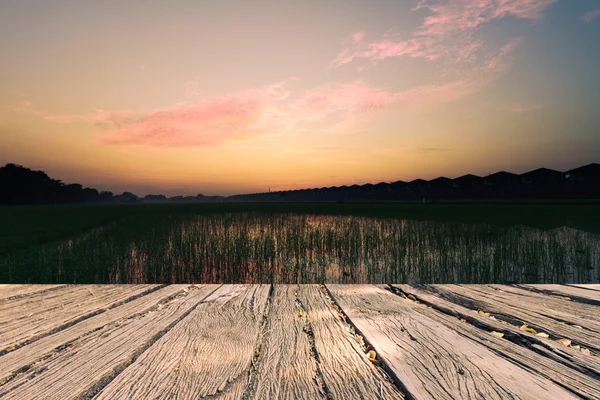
x: 448, y: 34
x: 272, y: 110
x: 337, y: 107
x: 268, y: 110
x: 590, y: 16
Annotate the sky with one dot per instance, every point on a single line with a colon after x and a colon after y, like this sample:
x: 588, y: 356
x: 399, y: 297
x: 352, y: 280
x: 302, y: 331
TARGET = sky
x: 182, y: 97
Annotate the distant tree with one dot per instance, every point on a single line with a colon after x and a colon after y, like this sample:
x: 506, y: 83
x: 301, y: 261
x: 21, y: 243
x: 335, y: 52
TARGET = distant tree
x: 105, y: 195
x: 20, y: 185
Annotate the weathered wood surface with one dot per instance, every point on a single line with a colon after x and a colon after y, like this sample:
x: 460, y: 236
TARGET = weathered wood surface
x: 578, y: 293
x: 542, y: 356
x: 208, y: 354
x: 295, y: 341
x: 586, y: 286
x: 532, y: 313
x: 26, y: 355
x: 34, y: 316
x: 287, y: 369
x: 308, y: 353
x: 9, y: 292
x: 561, y: 308
x: 346, y: 370
x: 432, y: 360
x: 85, y: 365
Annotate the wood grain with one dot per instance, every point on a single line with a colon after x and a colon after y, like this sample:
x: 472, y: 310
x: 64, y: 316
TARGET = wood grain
x: 287, y: 369
x: 10, y: 292
x: 32, y: 317
x: 504, y: 305
x: 587, y: 286
x: 558, y: 307
x: 209, y: 353
x: 542, y: 356
x: 87, y: 364
x: 432, y: 360
x: 573, y: 292
x: 21, y: 358
x: 346, y: 370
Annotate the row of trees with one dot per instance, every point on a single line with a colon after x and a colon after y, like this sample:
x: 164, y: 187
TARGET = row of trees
x: 19, y: 185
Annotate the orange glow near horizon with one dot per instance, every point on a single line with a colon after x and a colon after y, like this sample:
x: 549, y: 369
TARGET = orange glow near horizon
x: 183, y: 98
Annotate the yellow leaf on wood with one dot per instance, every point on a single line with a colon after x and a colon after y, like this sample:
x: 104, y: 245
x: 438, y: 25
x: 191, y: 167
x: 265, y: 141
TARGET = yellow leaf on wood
x: 528, y: 329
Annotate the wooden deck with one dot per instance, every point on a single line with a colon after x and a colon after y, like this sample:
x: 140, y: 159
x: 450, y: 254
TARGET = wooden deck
x: 299, y: 342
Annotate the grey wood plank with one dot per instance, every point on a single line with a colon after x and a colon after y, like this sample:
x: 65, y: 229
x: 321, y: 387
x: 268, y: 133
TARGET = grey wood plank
x: 14, y: 291
x: 542, y: 356
x: 346, y: 369
x: 595, y: 287
x: 25, y: 356
x: 558, y: 307
x: 308, y: 353
x: 29, y: 318
x: 207, y: 354
x: 573, y: 292
x: 87, y: 364
x: 287, y: 369
x: 507, y: 306
x: 432, y: 360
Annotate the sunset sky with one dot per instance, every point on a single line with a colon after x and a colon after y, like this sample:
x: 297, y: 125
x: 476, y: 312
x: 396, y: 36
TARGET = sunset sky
x: 223, y: 97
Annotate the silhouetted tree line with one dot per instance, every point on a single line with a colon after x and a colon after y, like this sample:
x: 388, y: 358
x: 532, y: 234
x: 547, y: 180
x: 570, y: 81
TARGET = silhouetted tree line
x: 19, y: 185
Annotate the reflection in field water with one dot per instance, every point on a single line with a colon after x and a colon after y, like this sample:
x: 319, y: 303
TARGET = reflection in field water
x: 290, y: 248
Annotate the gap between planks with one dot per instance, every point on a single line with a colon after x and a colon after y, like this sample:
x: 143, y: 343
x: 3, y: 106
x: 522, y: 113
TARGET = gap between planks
x: 433, y: 360
x: 538, y: 355
x: 90, y: 362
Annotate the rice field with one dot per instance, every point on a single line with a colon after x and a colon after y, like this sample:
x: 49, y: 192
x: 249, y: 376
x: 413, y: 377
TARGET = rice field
x: 240, y: 245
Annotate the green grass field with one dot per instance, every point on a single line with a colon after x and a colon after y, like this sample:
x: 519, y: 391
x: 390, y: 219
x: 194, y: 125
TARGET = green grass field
x: 27, y: 226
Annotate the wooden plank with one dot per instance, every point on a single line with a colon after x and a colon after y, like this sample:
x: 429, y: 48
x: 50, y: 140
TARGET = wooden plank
x: 561, y: 308
x: 510, y: 308
x: 30, y: 318
x: 586, y: 286
x: 574, y: 293
x: 12, y: 291
x: 287, y: 369
x: 347, y: 372
x: 308, y: 353
x: 23, y: 357
x: 432, y: 360
x: 541, y: 356
x: 207, y: 354
x: 88, y: 363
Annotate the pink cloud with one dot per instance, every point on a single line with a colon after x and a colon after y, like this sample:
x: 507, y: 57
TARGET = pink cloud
x: 207, y: 123
x: 451, y: 16
x: 273, y: 110
x: 449, y: 33
x: 502, y: 60
x: 590, y: 16
x: 358, y: 37
x: 357, y: 96
x: 268, y: 110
